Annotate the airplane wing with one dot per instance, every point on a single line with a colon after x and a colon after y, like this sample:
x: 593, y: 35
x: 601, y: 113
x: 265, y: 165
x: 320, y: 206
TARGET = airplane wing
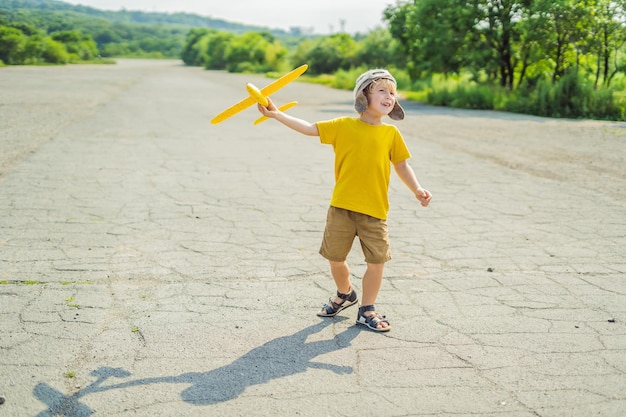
x: 283, y: 81
x: 284, y: 107
x: 266, y: 91
x: 233, y: 110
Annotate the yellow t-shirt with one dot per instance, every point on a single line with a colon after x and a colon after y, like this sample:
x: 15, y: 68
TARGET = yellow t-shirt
x: 363, y: 154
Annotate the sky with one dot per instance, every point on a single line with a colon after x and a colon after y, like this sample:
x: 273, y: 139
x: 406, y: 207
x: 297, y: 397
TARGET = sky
x: 323, y: 16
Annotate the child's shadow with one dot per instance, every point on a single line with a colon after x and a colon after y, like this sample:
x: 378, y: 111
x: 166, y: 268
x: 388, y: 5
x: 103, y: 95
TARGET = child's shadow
x: 284, y: 356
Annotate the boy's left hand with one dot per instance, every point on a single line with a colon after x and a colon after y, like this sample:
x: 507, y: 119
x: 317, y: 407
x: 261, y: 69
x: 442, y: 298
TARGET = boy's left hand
x: 424, y: 196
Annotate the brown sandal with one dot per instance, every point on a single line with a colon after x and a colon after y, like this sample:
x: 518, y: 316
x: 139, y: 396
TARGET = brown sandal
x: 332, y: 308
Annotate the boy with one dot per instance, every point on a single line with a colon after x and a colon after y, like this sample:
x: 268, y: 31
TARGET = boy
x: 364, y: 149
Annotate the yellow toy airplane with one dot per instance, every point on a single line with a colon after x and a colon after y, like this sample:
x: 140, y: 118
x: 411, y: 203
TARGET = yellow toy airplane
x: 260, y: 96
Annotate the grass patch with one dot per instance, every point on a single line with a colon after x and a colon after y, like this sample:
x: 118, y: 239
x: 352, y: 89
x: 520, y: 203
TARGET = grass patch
x: 69, y: 302
x: 33, y: 282
x: 107, y: 61
x: 572, y: 96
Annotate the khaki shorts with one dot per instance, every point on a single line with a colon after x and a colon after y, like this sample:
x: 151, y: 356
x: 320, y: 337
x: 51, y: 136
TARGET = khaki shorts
x: 342, y: 226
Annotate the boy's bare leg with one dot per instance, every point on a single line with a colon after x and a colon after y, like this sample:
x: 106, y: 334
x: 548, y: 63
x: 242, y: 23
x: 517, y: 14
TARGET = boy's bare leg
x: 372, y: 281
x: 341, y: 274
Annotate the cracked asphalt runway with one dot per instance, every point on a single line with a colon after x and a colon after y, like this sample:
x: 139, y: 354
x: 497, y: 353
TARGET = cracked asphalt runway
x: 153, y: 264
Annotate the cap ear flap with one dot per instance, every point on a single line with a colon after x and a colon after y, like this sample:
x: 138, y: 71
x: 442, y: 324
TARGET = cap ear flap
x: 360, y: 102
x: 397, y: 113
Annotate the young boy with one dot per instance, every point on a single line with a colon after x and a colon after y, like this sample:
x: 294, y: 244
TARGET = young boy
x: 365, y: 147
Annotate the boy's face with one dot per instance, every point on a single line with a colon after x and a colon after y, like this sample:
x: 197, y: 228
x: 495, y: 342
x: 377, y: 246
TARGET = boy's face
x: 381, y: 97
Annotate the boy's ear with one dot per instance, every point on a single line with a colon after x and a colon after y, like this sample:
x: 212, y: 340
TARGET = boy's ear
x: 360, y: 102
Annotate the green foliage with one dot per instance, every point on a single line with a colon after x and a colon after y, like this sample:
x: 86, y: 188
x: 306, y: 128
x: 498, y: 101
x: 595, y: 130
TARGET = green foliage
x: 344, y: 79
x: 508, y: 39
x: 547, y: 57
x: 18, y: 47
x: 331, y: 53
x: 124, y: 33
x: 434, y: 34
x: 195, y: 51
x: 216, y: 50
x: 40, y: 49
x: 253, y: 52
x: 248, y: 52
x: 458, y: 91
x: 571, y: 97
x: 12, y: 45
x: 262, y: 52
x: 80, y: 47
x: 378, y: 49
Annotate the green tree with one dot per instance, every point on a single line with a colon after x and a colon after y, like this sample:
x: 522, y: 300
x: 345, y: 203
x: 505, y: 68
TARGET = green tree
x: 379, y: 49
x: 54, y: 52
x: 196, y: 47
x: 275, y: 55
x: 606, y: 39
x: 217, y: 45
x: 447, y: 36
x: 434, y: 34
x: 251, y: 51
x: 331, y: 53
x: 300, y: 51
x: 33, y: 50
x: 12, y: 45
x: 563, y: 25
x: 78, y: 45
x: 498, y: 27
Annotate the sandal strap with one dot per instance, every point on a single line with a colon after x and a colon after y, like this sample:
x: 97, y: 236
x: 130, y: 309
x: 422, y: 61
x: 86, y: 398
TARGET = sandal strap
x: 374, y: 319
x: 332, y: 307
x: 344, y: 296
x: 363, y: 309
x: 333, y: 304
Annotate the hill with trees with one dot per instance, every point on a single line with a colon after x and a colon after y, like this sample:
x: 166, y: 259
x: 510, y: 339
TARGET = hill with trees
x: 50, y: 31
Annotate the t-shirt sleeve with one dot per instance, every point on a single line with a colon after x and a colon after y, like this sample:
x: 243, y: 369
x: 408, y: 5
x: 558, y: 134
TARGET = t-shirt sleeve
x: 399, y: 150
x: 328, y: 131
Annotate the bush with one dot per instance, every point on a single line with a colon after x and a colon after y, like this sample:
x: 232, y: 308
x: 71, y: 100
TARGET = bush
x: 80, y: 47
x: 572, y: 96
x: 345, y: 79
x: 54, y: 52
x: 12, y: 45
x: 474, y: 97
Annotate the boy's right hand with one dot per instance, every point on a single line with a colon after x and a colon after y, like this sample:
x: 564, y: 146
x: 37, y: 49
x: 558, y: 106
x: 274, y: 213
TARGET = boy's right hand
x: 299, y: 125
x: 270, y: 110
